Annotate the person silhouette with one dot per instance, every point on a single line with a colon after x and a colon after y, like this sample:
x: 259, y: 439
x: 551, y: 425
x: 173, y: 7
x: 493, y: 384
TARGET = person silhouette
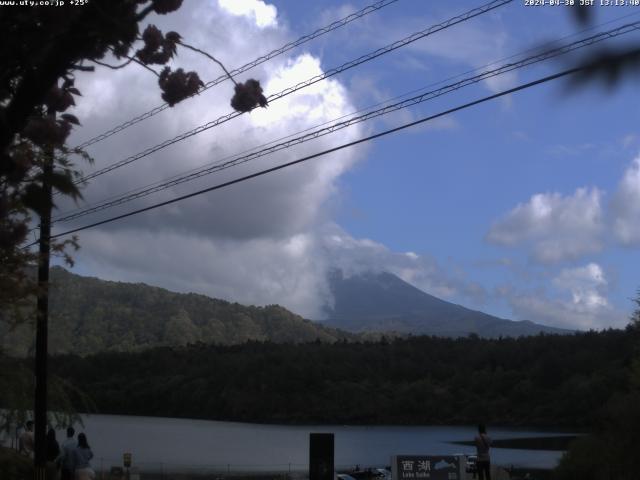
x: 483, y: 444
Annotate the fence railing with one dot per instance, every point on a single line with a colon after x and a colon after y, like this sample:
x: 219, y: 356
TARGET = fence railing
x: 105, y: 468
x: 103, y: 464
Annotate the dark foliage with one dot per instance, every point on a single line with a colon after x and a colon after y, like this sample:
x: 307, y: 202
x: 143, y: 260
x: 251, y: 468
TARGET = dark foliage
x: 157, y: 49
x: 544, y: 380
x: 45, y: 47
x: 178, y: 85
x: 248, y: 95
x: 89, y: 315
x: 163, y: 7
x: 610, y: 451
x: 610, y: 66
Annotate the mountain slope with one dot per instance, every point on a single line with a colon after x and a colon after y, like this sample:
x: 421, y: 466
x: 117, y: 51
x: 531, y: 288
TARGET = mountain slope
x: 88, y: 315
x: 382, y: 302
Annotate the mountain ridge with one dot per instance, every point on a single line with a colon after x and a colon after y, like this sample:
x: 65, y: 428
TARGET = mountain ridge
x: 383, y: 302
x: 88, y: 315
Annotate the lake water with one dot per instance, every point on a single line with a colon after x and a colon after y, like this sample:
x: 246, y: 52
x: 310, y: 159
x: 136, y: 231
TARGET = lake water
x: 171, y: 444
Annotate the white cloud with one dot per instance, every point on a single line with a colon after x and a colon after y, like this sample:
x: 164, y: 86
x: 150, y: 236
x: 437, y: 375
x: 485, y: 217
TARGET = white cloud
x: 257, y: 270
x: 268, y: 240
x: 290, y: 271
x: 565, y: 314
x: 278, y: 205
x: 354, y: 256
x: 629, y: 140
x: 474, y: 44
x: 468, y: 44
x: 625, y: 207
x: 578, y: 300
x: 255, y: 242
x: 264, y: 15
x: 587, y: 285
x: 571, y: 150
x: 554, y: 226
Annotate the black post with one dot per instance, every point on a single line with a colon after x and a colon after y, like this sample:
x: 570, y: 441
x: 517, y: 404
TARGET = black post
x: 42, y: 318
x: 321, y: 454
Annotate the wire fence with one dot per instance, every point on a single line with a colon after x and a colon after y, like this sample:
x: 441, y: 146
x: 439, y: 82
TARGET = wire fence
x: 112, y: 468
x: 106, y: 467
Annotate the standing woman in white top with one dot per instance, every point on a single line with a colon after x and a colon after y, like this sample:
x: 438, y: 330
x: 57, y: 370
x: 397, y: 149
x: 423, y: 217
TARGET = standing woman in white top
x: 483, y: 443
x: 81, y: 456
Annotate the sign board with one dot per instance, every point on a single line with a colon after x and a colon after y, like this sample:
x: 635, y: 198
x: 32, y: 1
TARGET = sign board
x: 126, y: 459
x: 426, y: 467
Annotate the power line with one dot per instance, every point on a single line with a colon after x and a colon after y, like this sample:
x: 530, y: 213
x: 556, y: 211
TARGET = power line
x: 346, y: 66
x: 254, y: 63
x: 324, y: 152
x: 237, y: 160
x: 285, y: 48
x: 364, y: 109
x: 202, y: 171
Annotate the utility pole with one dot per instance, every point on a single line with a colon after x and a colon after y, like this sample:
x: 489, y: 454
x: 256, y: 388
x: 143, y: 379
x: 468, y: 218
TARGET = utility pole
x: 42, y: 317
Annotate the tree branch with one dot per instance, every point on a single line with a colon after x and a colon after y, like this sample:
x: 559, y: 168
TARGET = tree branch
x: 131, y: 59
x: 113, y: 67
x: 144, y: 12
x: 209, y: 56
x: 32, y: 88
x: 82, y: 68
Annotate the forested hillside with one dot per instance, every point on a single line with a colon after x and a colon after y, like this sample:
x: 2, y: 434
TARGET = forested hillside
x: 89, y: 315
x: 543, y: 380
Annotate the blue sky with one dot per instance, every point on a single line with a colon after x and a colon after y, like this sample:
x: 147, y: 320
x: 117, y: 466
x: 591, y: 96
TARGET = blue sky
x: 523, y: 207
x: 438, y: 192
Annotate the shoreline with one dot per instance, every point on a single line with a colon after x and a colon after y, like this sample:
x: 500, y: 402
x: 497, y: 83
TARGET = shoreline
x: 556, y: 443
x: 562, y: 430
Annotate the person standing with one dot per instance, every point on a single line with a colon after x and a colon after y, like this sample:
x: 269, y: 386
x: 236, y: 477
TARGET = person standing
x: 65, y: 458
x: 53, y: 452
x: 483, y: 444
x: 25, y: 442
x: 81, y: 459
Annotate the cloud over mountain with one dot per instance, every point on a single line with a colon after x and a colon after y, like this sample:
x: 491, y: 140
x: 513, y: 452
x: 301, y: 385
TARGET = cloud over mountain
x: 555, y: 227
x: 268, y: 240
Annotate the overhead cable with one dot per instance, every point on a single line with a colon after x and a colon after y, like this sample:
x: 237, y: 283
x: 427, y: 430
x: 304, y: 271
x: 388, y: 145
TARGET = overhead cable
x: 329, y: 73
x: 248, y: 66
x: 417, y: 99
x: 368, y: 107
x: 322, y: 153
